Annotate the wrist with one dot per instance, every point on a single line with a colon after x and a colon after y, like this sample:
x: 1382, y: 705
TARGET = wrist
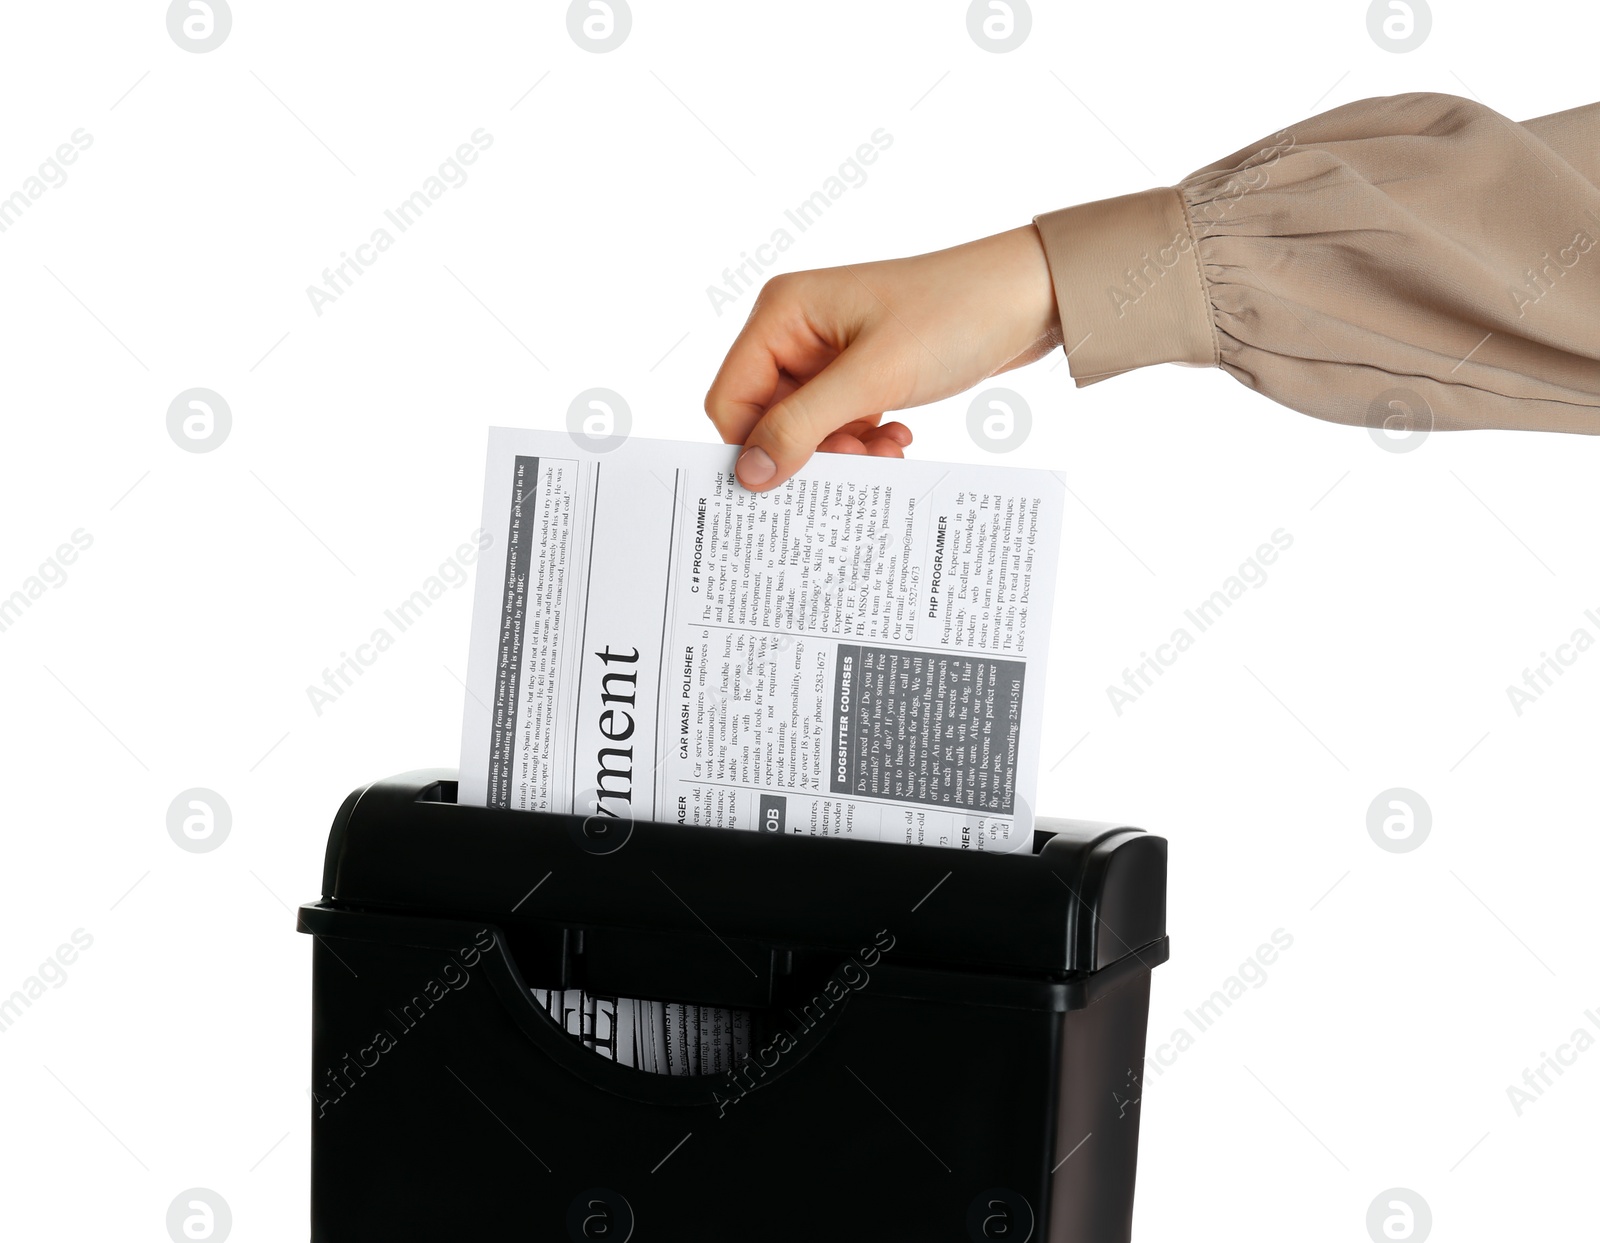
x: 1023, y: 268
x: 1040, y: 287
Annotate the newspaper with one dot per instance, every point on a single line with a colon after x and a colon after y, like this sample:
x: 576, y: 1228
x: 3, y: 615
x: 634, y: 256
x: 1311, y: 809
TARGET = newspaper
x: 858, y: 653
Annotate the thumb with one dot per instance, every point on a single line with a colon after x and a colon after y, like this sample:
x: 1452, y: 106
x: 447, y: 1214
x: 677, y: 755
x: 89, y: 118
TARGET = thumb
x: 849, y: 388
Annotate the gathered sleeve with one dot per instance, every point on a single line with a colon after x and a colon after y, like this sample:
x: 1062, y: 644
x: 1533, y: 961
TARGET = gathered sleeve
x: 1412, y: 249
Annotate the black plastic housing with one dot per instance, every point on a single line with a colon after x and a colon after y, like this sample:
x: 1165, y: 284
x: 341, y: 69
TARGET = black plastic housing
x: 979, y: 1078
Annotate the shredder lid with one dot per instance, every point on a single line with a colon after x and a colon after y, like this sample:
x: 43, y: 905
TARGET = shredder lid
x: 1087, y: 896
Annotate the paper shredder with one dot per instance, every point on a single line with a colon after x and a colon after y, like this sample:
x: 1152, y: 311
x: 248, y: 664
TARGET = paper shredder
x: 947, y: 1044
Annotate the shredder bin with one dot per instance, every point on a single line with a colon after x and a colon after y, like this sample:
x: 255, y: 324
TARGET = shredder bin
x: 979, y: 1078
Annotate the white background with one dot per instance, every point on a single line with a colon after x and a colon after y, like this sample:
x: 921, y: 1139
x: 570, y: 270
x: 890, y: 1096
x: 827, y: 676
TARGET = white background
x: 578, y: 253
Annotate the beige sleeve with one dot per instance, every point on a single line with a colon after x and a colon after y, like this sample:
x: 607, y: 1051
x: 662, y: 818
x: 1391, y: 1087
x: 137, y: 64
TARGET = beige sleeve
x: 1413, y: 248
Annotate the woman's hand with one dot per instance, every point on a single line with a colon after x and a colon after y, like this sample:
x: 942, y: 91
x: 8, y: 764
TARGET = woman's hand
x: 825, y: 353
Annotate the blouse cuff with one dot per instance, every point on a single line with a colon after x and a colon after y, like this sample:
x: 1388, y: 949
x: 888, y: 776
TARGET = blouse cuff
x: 1128, y: 284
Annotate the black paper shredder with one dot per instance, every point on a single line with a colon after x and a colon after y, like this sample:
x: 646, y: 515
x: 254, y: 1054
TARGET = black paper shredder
x: 947, y: 1044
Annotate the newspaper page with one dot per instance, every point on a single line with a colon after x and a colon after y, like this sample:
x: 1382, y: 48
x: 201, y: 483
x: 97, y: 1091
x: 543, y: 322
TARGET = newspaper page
x: 858, y: 653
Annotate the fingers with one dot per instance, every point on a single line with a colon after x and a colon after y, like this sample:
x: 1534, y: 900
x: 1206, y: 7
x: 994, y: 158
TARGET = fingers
x: 793, y: 383
x: 775, y: 352
x: 749, y: 381
x: 842, y: 442
x: 849, y: 390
